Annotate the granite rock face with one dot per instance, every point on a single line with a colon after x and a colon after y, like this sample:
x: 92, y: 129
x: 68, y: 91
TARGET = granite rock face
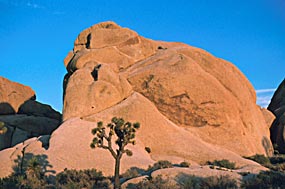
x: 23, y: 116
x: 203, y: 94
x: 277, y: 107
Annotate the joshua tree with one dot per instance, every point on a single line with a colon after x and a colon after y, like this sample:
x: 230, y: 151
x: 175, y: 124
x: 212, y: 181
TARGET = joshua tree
x: 3, y: 129
x: 125, y: 134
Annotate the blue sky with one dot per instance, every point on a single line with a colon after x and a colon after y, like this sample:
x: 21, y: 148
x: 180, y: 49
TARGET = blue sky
x: 36, y: 35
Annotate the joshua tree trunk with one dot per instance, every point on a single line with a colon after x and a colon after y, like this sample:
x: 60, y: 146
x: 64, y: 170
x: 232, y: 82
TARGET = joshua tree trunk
x: 117, y: 184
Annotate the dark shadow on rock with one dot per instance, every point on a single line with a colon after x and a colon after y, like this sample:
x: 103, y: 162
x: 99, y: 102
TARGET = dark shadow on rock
x: 33, y: 119
x: 45, y: 141
x: 31, y: 107
x: 6, y: 108
x: 276, y: 136
x: 24, y: 162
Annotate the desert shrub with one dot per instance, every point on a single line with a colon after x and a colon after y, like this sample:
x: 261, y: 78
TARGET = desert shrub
x: 277, y: 159
x: 13, y: 181
x: 265, y: 179
x: 31, y: 176
x: 153, y: 183
x: 190, y: 181
x: 219, y: 182
x: 90, y: 178
x: 133, y: 172
x: 279, y: 167
x: 223, y: 163
x: 261, y: 159
x: 184, y: 164
x: 162, y: 164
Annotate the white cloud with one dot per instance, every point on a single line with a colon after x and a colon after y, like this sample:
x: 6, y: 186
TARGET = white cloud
x: 264, y: 96
x: 263, y: 101
x: 265, y: 90
x: 34, y: 5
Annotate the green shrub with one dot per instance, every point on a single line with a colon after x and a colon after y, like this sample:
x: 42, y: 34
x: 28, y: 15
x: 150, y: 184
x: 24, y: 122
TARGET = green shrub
x: 153, y: 183
x: 13, y: 182
x: 32, y: 174
x: 223, y: 163
x: 277, y: 159
x: 162, y: 164
x: 184, y: 164
x: 265, y: 179
x: 90, y: 178
x: 133, y: 172
x: 219, y: 182
x: 186, y: 181
x: 279, y: 167
x: 189, y: 181
x: 261, y: 159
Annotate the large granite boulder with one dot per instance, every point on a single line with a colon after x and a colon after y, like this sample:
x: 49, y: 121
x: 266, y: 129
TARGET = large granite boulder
x: 203, y: 94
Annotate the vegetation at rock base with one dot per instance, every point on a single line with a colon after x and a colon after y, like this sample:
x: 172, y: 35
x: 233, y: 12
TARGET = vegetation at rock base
x: 223, y: 163
x: 89, y: 178
x: 184, y: 181
x: 184, y: 164
x: 161, y: 164
x: 265, y: 179
x: 275, y: 163
x: 153, y: 183
x: 34, y: 177
x: 125, y: 133
x: 261, y: 159
x: 29, y: 172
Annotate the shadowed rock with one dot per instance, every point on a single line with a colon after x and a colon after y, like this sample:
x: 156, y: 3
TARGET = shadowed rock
x: 277, y: 107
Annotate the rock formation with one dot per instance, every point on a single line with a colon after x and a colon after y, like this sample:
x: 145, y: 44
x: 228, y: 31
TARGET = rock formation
x: 277, y: 107
x: 23, y: 116
x: 191, y: 105
x: 203, y: 94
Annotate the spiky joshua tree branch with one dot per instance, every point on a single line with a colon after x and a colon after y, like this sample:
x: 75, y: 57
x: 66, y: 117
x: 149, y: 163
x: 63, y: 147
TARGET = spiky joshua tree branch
x: 124, y: 133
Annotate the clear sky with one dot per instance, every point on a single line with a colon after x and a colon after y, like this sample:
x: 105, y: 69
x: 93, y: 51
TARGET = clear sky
x: 36, y: 35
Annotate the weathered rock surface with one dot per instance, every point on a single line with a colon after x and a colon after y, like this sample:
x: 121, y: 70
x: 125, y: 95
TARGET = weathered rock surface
x: 164, y: 142
x: 205, y: 95
x: 23, y: 116
x: 277, y: 107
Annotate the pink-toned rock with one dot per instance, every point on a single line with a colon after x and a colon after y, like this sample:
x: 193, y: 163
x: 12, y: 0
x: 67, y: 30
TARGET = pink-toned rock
x: 206, y: 95
x: 13, y: 95
x: 268, y: 116
x: 91, y: 90
x: 69, y: 145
